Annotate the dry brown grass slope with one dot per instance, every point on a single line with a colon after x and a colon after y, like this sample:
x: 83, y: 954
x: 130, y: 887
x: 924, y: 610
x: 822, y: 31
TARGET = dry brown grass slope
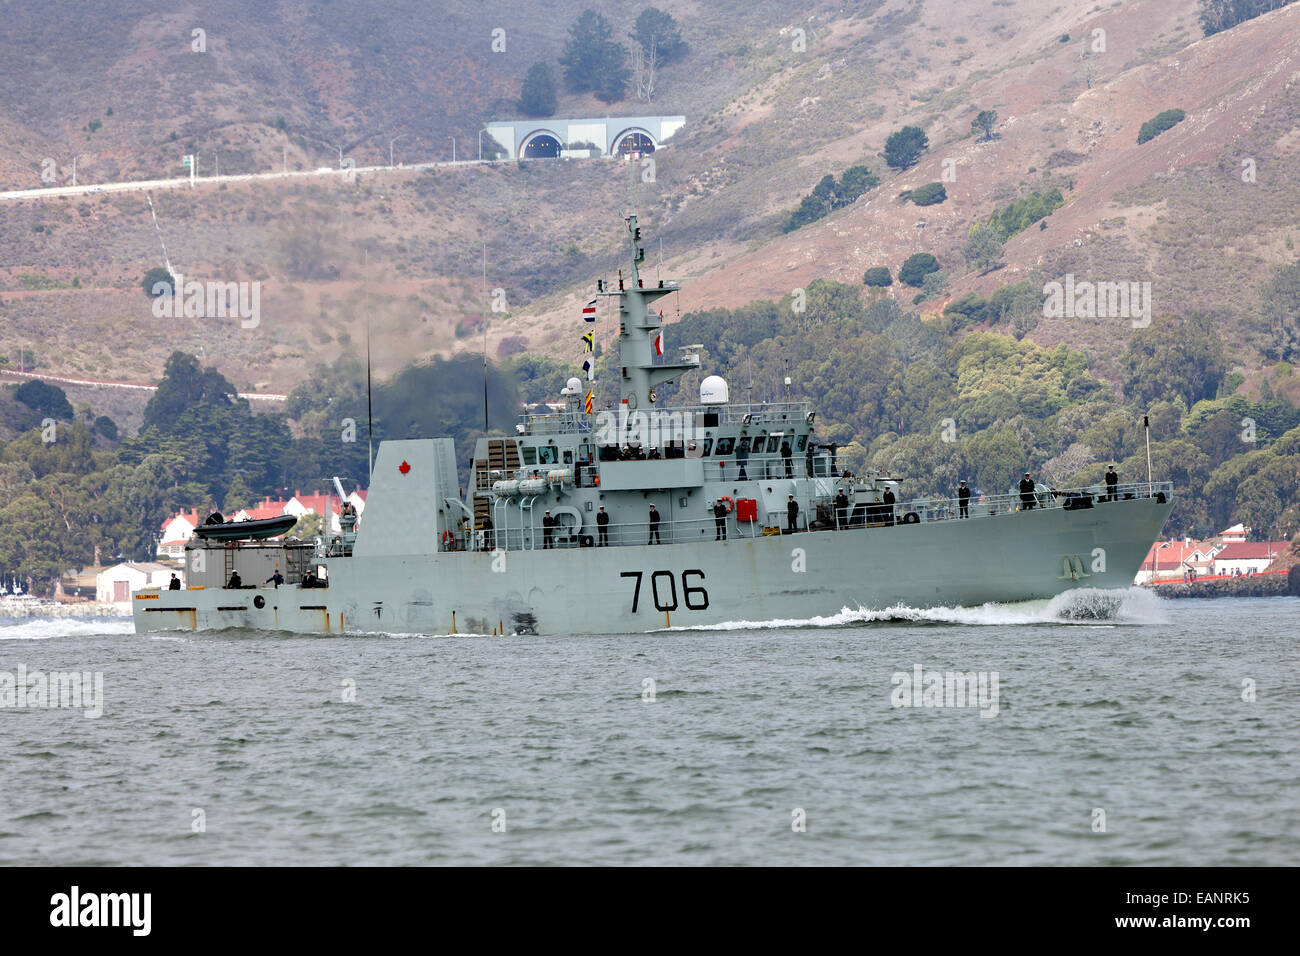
x: 766, y: 121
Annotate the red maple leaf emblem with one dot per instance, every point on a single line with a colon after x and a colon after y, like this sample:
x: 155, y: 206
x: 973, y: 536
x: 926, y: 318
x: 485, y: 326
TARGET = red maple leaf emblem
x: 404, y: 467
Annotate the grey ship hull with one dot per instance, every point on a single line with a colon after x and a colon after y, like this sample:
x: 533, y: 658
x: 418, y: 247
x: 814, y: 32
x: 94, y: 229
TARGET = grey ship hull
x: 1014, y: 557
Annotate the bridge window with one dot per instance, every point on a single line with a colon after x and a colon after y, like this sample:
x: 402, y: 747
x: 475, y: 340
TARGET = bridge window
x: 530, y: 455
x: 546, y: 455
x: 542, y: 146
x: 743, y: 447
x: 799, y: 444
x: 725, y: 445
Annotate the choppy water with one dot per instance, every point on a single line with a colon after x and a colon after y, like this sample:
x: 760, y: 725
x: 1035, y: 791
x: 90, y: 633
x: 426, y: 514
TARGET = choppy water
x: 1138, y: 713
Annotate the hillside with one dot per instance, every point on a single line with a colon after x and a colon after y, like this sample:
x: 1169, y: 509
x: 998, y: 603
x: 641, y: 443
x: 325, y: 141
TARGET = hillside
x: 765, y: 121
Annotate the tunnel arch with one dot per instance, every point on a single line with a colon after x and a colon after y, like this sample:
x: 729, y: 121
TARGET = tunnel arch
x: 541, y: 144
x: 633, y: 140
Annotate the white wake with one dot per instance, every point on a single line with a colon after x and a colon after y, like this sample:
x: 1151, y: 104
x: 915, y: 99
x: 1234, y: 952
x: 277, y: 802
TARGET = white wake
x: 1079, y: 606
x: 43, y: 628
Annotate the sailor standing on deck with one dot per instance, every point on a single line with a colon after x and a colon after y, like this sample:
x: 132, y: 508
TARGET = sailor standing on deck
x: 841, y: 509
x: 963, y: 501
x: 1026, y: 492
x: 719, y: 521
x: 278, y: 578
x: 888, y: 501
x: 602, y: 523
x: 548, y: 529
x: 1112, y: 483
x: 654, y: 526
x: 792, y: 510
x: 786, y: 454
x: 742, y: 455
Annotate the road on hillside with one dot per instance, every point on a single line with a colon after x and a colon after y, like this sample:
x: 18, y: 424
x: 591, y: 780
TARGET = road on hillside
x: 182, y: 182
x: 136, y: 386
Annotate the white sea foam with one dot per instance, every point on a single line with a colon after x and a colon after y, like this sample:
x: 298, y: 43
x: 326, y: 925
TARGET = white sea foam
x: 1087, y: 606
x: 42, y: 628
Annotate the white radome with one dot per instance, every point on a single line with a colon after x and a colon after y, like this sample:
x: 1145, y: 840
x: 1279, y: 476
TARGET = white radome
x: 713, y: 391
x: 573, y: 386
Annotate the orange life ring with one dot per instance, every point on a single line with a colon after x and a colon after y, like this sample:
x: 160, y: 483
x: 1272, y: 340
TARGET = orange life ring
x: 731, y: 505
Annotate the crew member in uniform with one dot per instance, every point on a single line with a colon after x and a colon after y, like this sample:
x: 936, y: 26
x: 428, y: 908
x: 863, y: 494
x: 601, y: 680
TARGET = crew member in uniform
x: 792, y: 509
x: 719, y: 521
x: 742, y: 455
x: 602, y: 523
x: 235, y: 580
x: 1112, y: 483
x: 489, y: 535
x: 888, y: 500
x: 278, y: 578
x: 1026, y: 492
x: 548, y: 529
x: 174, y: 584
x: 963, y: 501
x: 841, y: 509
x: 785, y: 455
x: 654, y: 526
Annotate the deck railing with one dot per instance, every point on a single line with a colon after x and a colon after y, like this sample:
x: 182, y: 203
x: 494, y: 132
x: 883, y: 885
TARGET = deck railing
x: 529, y: 535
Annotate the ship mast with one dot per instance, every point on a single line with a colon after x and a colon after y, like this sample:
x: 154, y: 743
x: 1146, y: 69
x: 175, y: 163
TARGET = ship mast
x: 639, y: 326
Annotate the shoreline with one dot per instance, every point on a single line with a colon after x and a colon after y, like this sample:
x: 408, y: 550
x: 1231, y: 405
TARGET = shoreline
x: 1271, y: 585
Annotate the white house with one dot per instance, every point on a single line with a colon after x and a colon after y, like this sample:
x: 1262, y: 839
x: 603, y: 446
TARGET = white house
x: 115, y: 585
x: 1247, y: 556
x: 176, y: 531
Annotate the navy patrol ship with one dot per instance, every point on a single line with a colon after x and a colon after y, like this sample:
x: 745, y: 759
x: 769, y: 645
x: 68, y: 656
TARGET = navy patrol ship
x: 647, y: 517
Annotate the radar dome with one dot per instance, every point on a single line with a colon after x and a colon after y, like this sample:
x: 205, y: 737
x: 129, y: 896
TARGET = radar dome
x: 573, y: 386
x: 713, y: 391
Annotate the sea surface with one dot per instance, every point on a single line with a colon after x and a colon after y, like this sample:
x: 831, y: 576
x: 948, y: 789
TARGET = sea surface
x: 1119, y: 736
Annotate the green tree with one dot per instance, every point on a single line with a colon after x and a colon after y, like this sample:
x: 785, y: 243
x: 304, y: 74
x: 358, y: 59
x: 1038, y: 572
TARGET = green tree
x: 928, y: 195
x: 658, y: 28
x: 877, y: 276
x: 184, y: 384
x: 1159, y: 123
x: 983, y: 123
x: 983, y: 250
x: 44, y: 399
x: 592, y: 61
x: 903, y: 148
x: 157, y: 281
x: 916, y: 268
x: 537, y: 96
x: 1174, y: 358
